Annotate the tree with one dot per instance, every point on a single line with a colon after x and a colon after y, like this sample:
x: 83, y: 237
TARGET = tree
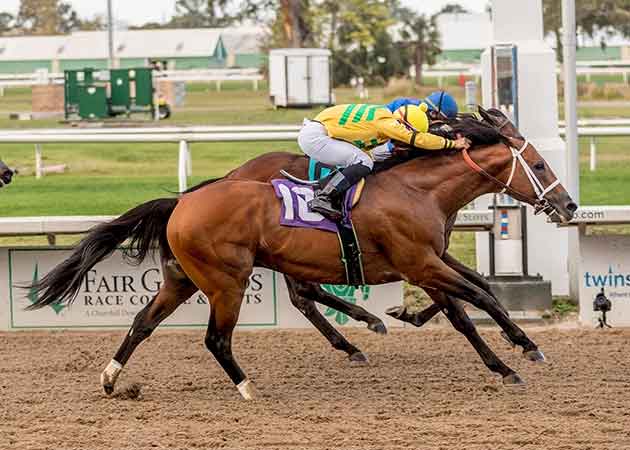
x: 290, y: 25
x: 200, y: 14
x: 67, y: 18
x: 38, y: 17
x: 356, y: 32
x: 47, y: 17
x: 453, y: 8
x: 294, y: 17
x: 423, y: 38
x: 6, y: 22
x: 97, y: 23
x: 591, y: 16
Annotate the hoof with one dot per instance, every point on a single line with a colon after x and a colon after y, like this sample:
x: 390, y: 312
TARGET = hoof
x: 535, y: 356
x: 378, y: 327
x: 358, y: 359
x: 108, y: 388
x: 246, y: 389
x: 513, y: 379
x: 396, y: 311
x: 109, y: 376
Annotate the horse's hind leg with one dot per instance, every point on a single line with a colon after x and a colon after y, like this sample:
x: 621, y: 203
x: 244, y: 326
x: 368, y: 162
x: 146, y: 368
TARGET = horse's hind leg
x: 175, y: 290
x: 297, y: 294
x: 313, y: 292
x: 462, y: 323
x: 416, y: 319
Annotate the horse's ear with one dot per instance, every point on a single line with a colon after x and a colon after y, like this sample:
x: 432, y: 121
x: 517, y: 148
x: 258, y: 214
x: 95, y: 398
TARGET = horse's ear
x: 486, y: 116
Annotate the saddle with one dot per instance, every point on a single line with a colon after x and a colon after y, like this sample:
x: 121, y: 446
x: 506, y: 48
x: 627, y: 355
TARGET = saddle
x: 295, y: 194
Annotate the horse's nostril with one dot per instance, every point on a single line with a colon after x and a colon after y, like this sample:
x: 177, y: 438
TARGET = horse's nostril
x: 572, y: 207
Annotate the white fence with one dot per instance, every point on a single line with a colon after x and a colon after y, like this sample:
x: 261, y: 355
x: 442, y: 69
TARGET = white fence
x: 204, y: 75
x: 467, y: 220
x: 185, y: 135
x: 138, y: 135
x: 218, y: 76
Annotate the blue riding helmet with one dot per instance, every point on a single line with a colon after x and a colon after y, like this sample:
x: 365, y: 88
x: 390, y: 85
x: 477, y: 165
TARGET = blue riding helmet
x: 402, y: 101
x: 442, y: 102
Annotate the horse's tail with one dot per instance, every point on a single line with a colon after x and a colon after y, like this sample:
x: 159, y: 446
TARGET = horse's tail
x: 144, y: 225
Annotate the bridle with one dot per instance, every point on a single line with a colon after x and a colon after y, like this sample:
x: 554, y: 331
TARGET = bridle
x: 541, y: 204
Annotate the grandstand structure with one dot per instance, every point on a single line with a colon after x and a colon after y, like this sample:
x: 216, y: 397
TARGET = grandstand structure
x: 175, y: 49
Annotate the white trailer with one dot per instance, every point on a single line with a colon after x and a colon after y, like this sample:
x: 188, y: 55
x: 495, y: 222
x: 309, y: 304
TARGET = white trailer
x: 300, y: 77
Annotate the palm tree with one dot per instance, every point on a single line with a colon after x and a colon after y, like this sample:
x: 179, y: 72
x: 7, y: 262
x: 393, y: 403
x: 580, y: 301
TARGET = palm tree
x: 423, y: 37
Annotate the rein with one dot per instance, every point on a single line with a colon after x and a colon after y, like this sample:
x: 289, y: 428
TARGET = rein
x: 540, y: 203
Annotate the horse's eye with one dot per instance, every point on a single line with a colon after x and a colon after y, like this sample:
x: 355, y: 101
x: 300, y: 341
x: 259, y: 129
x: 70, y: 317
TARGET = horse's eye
x: 539, y: 165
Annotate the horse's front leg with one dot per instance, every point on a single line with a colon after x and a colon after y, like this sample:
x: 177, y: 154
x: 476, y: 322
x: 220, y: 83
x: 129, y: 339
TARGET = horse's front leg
x: 420, y: 318
x: 462, y: 323
x: 436, y: 274
x: 471, y: 275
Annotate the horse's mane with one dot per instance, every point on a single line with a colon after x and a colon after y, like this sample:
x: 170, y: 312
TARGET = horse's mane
x: 480, y: 133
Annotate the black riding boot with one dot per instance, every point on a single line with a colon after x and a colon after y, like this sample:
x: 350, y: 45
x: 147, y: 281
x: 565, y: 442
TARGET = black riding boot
x: 331, y: 195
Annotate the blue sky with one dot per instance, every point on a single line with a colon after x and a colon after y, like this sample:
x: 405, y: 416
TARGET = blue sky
x: 140, y: 11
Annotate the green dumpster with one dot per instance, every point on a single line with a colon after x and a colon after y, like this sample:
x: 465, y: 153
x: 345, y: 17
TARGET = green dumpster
x: 93, y: 102
x: 120, y: 100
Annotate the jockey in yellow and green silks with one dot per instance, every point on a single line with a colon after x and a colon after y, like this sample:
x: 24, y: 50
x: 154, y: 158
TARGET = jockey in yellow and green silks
x: 342, y: 136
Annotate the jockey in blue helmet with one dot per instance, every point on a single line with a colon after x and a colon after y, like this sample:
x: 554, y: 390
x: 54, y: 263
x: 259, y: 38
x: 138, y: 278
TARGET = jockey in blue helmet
x: 441, y: 105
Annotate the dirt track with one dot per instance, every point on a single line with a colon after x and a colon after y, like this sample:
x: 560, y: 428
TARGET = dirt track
x: 424, y: 389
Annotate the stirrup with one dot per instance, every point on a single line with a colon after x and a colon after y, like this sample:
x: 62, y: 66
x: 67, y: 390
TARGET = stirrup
x: 326, y: 209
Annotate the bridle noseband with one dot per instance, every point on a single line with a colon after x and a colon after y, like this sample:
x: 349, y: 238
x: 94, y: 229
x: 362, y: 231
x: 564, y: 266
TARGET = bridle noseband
x: 541, y: 204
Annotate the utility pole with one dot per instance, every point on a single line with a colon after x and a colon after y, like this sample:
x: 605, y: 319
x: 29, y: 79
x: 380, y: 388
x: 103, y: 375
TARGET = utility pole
x: 570, y: 99
x: 110, y: 33
x: 571, y: 137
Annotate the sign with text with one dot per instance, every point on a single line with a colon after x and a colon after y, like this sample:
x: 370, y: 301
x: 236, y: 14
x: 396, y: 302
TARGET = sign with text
x: 605, y: 264
x: 113, y: 292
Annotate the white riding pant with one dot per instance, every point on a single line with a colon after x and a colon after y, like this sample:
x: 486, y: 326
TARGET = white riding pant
x: 315, y: 142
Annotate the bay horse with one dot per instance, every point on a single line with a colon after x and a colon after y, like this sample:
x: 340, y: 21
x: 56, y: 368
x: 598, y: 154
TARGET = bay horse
x: 218, y: 232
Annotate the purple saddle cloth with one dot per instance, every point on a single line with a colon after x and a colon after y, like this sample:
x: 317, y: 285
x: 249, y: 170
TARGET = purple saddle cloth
x: 296, y: 213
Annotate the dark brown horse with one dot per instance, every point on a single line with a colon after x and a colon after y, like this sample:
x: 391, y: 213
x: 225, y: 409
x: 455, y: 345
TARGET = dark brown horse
x: 6, y: 174
x: 217, y: 233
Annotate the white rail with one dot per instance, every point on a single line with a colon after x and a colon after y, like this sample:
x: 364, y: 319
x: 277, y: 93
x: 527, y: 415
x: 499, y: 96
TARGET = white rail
x: 594, y: 127
x: 183, y: 136
x: 91, y: 130
x: 620, y: 122
x: 206, y: 75
x: 467, y: 220
x: 253, y: 74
